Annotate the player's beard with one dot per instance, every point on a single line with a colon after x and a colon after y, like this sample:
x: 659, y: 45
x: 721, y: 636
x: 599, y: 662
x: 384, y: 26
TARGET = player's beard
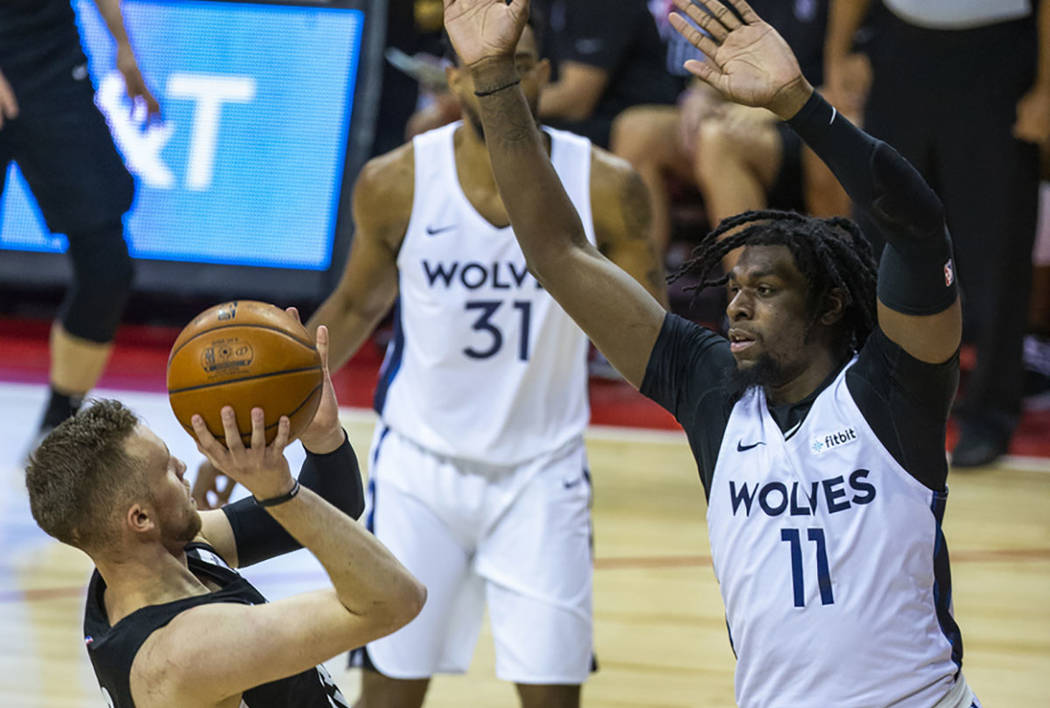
x: 765, y: 371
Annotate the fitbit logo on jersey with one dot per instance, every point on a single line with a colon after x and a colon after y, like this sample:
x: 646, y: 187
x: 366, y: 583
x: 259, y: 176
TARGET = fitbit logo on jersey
x: 775, y: 498
x: 821, y: 444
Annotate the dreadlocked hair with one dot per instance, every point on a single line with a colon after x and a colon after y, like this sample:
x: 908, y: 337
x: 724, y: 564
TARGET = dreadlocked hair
x: 830, y: 253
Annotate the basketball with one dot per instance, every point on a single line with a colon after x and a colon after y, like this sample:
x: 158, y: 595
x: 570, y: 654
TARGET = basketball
x: 244, y: 354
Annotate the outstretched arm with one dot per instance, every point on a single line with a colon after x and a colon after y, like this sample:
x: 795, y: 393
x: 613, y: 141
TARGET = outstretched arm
x: 618, y: 314
x: 751, y: 64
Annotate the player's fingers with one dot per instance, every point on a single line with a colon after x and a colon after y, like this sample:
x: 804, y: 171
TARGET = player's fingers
x: 705, y: 71
x: 258, y: 429
x: 223, y: 494
x: 702, y: 19
x: 744, y: 10
x: 697, y: 38
x: 284, y: 427
x: 152, y: 106
x: 723, y: 14
x: 206, y: 442
x: 233, y: 433
x: 294, y: 312
x: 322, y: 346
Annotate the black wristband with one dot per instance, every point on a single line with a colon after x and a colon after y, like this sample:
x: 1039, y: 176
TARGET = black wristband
x: 482, y: 94
x: 274, y: 501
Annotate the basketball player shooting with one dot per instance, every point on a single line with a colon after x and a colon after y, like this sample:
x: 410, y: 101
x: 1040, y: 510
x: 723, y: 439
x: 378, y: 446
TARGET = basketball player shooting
x: 168, y: 622
x: 818, y: 425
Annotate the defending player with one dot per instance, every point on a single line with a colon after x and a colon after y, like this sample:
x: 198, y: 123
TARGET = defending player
x: 824, y: 461
x: 479, y: 477
x: 168, y: 622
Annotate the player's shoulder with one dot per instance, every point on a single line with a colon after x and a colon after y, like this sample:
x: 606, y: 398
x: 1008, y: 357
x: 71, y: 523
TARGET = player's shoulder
x: 384, y: 189
x: 613, y: 181
x: 607, y: 167
x: 389, y: 170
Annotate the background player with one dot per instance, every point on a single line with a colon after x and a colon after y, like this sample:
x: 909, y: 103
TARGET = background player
x: 168, y: 622
x: 825, y: 467
x: 50, y: 126
x: 479, y: 477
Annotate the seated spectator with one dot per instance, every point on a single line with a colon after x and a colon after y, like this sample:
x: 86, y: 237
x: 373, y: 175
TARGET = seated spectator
x: 603, y: 63
x: 740, y: 158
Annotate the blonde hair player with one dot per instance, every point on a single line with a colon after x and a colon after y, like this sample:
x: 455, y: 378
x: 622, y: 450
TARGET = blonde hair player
x: 169, y: 622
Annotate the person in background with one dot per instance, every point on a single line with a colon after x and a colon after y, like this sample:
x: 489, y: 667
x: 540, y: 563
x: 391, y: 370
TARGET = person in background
x: 739, y: 157
x: 963, y: 91
x: 50, y: 126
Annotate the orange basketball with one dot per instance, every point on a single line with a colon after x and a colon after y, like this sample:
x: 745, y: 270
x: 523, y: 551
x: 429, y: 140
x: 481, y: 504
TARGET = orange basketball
x: 244, y: 354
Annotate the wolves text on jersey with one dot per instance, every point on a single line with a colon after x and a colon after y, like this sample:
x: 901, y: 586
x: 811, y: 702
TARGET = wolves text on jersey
x: 473, y: 275
x: 775, y: 498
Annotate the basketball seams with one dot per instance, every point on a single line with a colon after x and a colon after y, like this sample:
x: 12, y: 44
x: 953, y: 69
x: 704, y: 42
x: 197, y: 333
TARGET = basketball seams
x: 271, y: 328
x: 172, y: 392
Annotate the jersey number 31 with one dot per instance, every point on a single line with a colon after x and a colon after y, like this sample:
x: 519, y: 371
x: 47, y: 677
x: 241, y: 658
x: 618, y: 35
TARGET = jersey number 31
x: 484, y: 323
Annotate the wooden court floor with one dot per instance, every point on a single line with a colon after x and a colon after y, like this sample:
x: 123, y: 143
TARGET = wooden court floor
x: 659, y: 628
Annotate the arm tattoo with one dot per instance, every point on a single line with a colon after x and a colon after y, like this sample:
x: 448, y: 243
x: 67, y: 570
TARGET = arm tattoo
x: 635, y: 207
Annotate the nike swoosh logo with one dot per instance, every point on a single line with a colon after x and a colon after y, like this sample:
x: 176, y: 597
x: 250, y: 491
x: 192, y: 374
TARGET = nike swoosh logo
x: 741, y: 447
x: 573, y: 483
x: 431, y: 231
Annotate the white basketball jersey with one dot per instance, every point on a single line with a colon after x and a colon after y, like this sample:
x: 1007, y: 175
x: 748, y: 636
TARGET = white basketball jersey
x: 484, y: 364
x: 824, y: 548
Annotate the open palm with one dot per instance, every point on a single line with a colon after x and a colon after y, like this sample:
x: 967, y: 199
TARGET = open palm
x: 748, y: 62
x: 480, y: 29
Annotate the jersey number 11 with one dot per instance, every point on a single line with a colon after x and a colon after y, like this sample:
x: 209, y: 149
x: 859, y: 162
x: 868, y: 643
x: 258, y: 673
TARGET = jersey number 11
x: 823, y: 574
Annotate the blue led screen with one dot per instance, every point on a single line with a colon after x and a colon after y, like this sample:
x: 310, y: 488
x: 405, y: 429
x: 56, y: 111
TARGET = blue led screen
x: 247, y: 166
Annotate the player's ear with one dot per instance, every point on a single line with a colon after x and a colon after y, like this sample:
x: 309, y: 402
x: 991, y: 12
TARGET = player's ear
x: 543, y: 72
x: 454, y: 76
x: 139, y: 519
x: 834, y: 307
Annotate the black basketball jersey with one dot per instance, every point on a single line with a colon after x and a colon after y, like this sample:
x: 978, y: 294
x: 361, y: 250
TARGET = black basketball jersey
x: 112, y: 649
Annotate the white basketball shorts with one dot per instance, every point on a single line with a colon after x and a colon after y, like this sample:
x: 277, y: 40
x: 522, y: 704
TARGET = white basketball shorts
x: 515, y: 538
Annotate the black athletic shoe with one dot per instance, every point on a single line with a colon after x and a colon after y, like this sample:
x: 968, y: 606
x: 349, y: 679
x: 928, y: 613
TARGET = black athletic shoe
x: 977, y: 448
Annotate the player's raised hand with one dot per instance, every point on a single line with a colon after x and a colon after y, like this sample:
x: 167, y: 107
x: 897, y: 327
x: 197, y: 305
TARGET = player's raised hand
x: 747, y: 61
x: 484, y: 29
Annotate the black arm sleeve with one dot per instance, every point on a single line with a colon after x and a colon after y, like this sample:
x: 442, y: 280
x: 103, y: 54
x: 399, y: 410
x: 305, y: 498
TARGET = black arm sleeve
x: 906, y: 402
x: 916, y: 274
x: 686, y: 374
x: 334, y: 476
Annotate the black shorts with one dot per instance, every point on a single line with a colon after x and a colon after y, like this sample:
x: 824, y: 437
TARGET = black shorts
x: 63, y: 146
x: 787, y: 191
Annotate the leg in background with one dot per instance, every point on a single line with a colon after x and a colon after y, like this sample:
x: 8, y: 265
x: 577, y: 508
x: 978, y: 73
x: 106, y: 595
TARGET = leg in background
x: 548, y: 696
x: 379, y: 691
x: 736, y: 164
x: 648, y: 137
